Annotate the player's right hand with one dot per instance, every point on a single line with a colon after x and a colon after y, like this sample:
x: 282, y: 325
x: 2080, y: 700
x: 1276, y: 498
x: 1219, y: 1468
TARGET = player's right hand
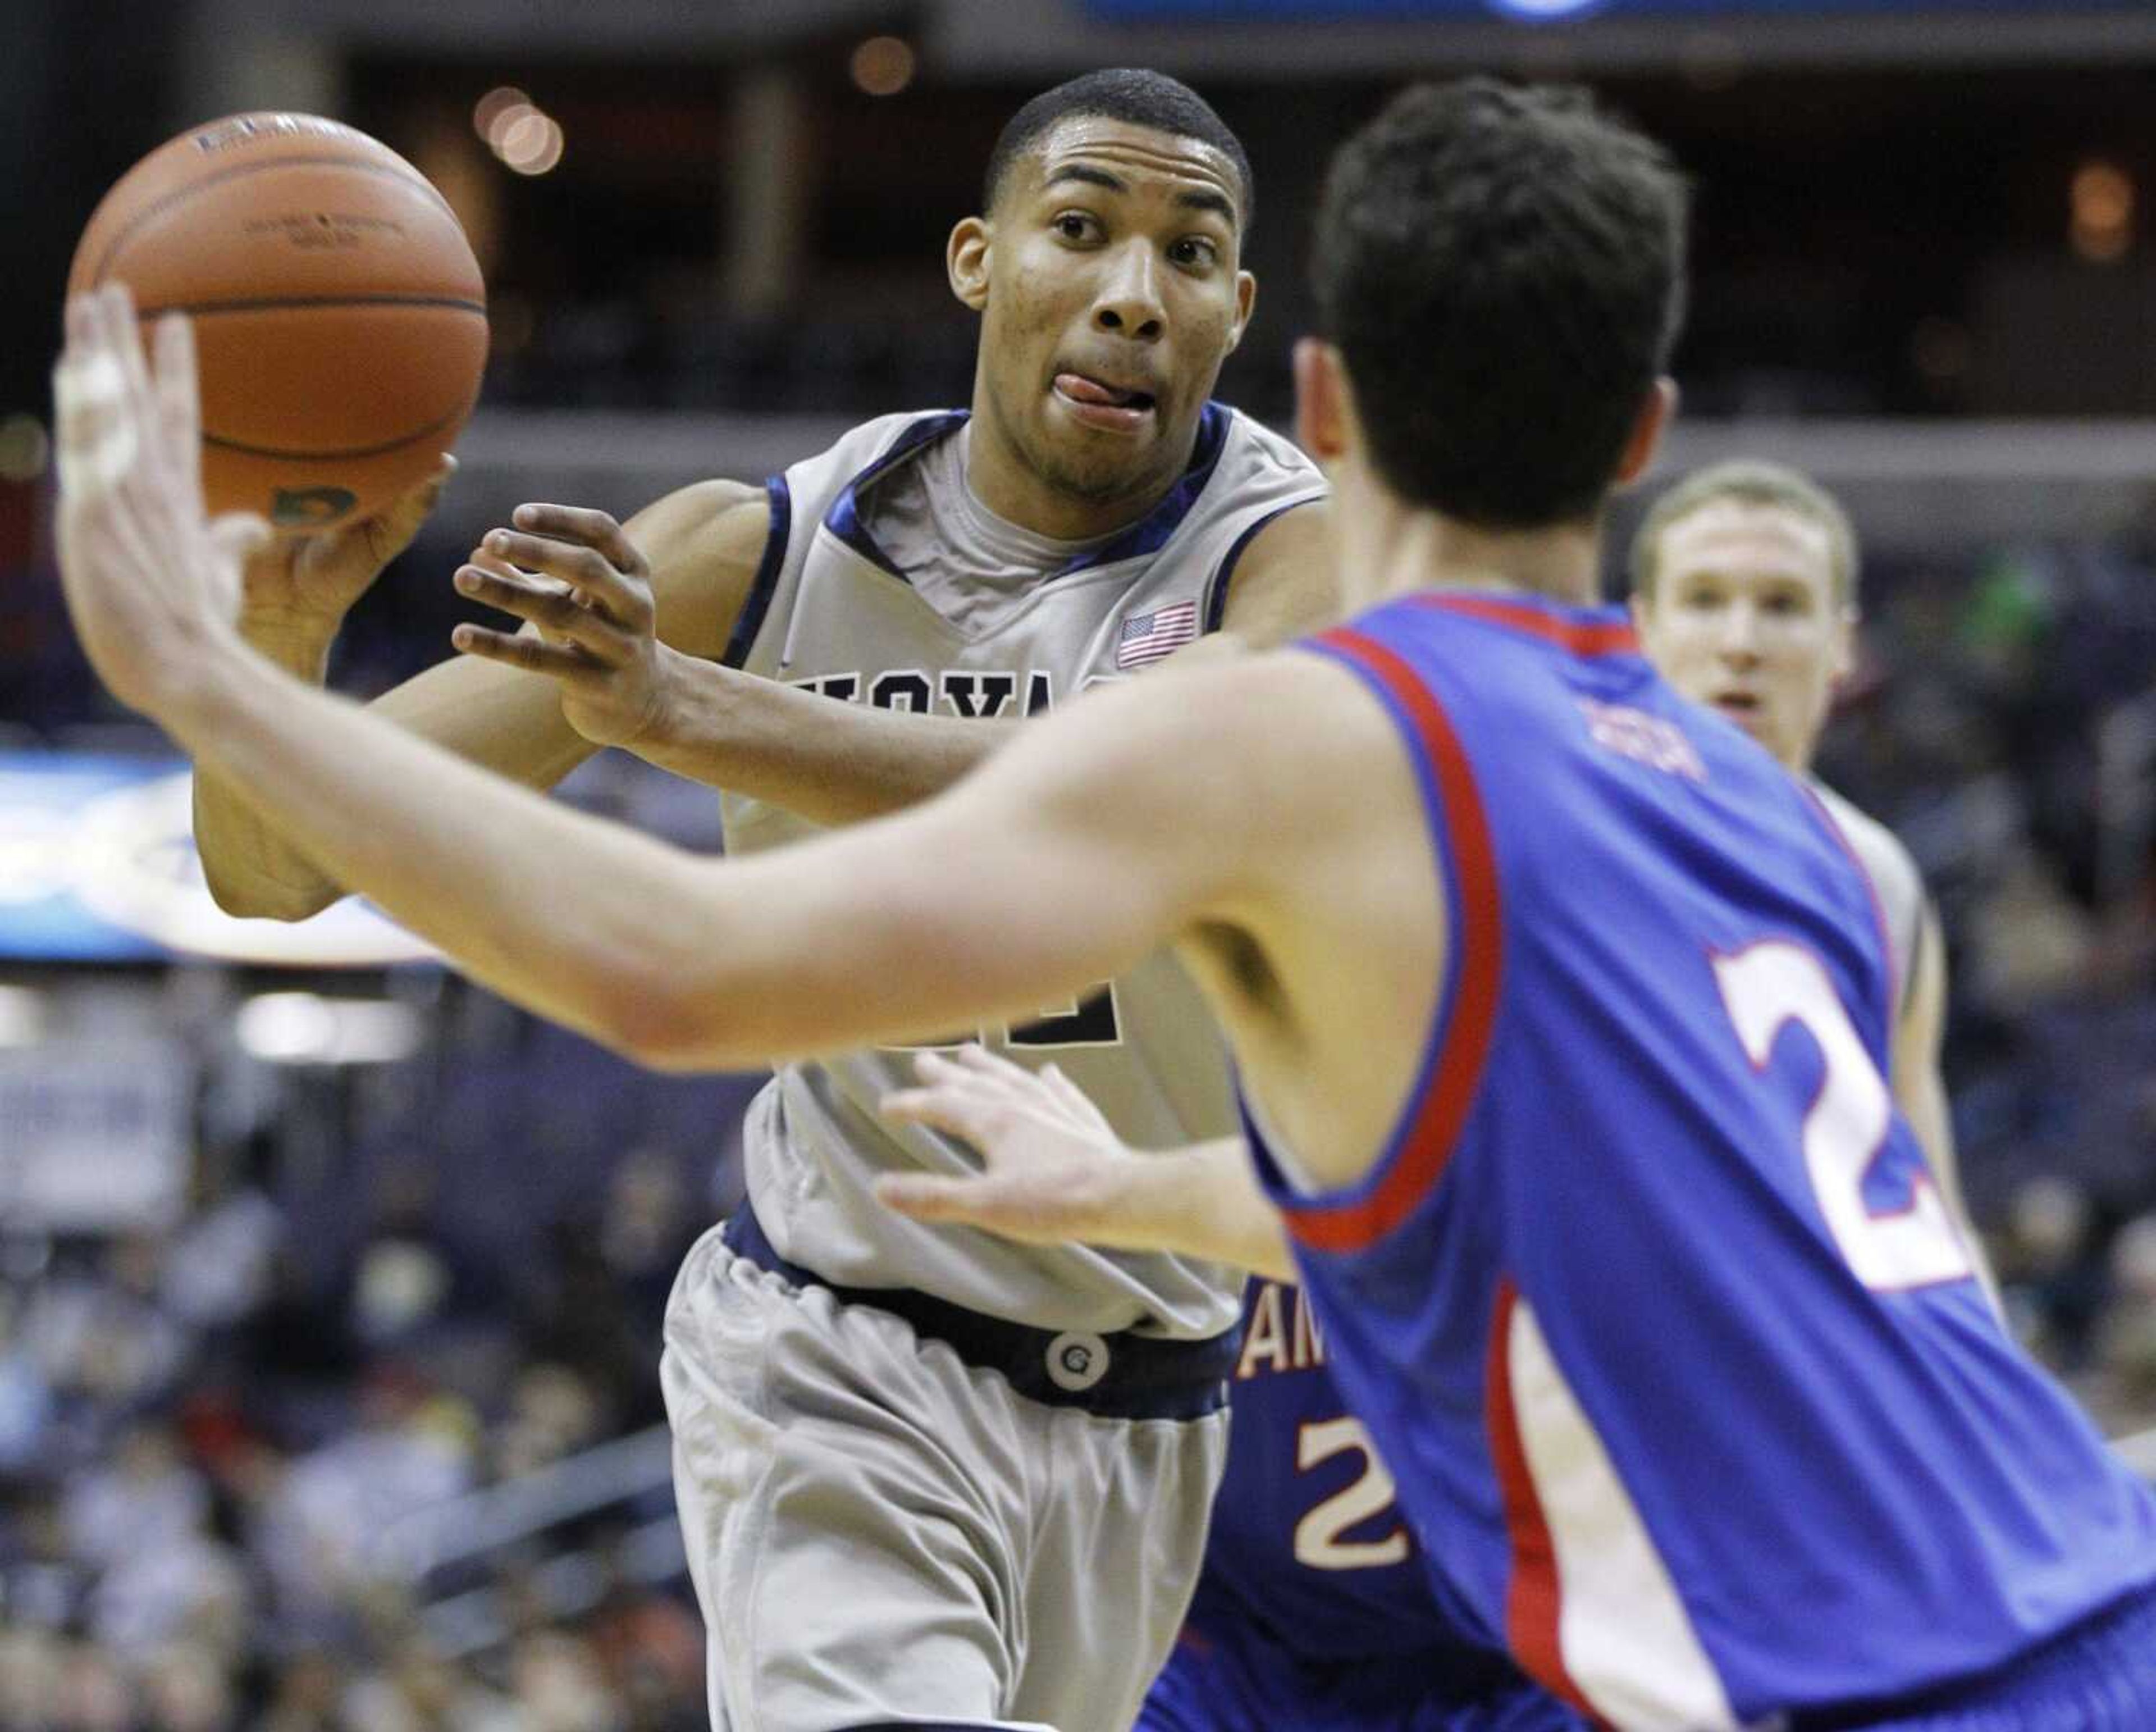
x: 1050, y: 1160
x: 307, y: 584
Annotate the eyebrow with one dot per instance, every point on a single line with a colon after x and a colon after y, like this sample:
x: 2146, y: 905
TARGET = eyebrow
x: 1195, y: 199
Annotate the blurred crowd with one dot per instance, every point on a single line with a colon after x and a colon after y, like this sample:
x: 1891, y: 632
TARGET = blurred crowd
x: 2004, y: 725
x: 213, y: 1439
x: 245, y: 1462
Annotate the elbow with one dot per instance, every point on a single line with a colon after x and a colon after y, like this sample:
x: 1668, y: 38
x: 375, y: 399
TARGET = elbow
x: 264, y: 899
x: 660, y: 1023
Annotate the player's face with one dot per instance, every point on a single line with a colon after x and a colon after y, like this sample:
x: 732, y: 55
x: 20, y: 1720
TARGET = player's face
x: 1743, y: 618
x: 1110, y: 291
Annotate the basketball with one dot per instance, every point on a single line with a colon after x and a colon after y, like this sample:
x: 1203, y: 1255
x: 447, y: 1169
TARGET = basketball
x: 339, y: 316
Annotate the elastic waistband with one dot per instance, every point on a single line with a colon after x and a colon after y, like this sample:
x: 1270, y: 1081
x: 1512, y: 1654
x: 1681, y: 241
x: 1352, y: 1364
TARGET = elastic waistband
x: 2098, y: 1673
x: 1119, y: 1376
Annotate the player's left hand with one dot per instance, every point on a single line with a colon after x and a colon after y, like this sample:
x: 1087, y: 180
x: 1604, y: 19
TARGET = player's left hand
x: 1049, y: 1159
x: 150, y: 583
x: 577, y: 579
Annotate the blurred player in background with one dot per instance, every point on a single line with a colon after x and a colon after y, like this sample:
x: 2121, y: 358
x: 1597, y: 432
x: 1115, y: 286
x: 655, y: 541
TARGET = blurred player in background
x: 1560, y: 1009
x: 1744, y: 588
x: 878, y: 1530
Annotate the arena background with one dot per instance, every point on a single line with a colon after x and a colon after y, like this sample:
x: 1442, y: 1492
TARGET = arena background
x: 329, y: 1284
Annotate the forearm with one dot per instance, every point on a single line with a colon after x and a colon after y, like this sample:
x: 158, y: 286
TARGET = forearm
x: 504, y: 720
x: 462, y: 857
x: 832, y: 762
x: 1203, y: 1201
x: 252, y: 871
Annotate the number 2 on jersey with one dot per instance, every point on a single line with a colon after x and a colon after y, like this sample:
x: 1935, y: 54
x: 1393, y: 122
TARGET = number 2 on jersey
x: 1845, y: 1128
x: 1317, y: 1536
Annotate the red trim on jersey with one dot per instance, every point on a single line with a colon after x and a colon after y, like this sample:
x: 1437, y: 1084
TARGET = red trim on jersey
x: 1603, y: 637
x: 1421, y: 1148
x: 1534, y: 1597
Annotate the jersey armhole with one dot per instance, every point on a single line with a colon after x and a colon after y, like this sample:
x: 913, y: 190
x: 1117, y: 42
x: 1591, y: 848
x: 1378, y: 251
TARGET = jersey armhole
x: 757, y: 601
x: 1448, y: 1077
x: 1224, y: 574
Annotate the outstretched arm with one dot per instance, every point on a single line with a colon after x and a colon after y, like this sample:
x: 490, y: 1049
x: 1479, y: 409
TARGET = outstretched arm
x: 1054, y: 1171
x: 1066, y: 862
x: 703, y: 543
x: 587, y: 588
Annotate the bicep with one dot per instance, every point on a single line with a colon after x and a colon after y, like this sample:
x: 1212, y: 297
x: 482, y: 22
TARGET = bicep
x: 1287, y: 583
x: 703, y: 546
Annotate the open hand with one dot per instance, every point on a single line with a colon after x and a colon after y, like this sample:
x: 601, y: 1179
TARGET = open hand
x: 574, y: 576
x: 1049, y: 1156
x: 151, y: 585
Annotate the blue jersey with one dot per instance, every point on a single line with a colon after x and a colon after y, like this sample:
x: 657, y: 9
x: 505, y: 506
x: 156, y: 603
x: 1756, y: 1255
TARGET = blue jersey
x: 1648, y: 1302
x: 1314, y: 1609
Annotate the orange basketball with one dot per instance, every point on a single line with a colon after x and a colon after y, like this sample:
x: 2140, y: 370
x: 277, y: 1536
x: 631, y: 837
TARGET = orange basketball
x: 339, y: 314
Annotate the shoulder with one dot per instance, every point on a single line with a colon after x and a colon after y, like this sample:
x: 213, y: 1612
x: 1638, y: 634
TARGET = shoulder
x: 1250, y: 442
x: 1893, y: 868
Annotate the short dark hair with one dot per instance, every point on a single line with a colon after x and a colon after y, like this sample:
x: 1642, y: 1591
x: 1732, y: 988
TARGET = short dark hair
x: 1131, y: 94
x: 1503, y: 269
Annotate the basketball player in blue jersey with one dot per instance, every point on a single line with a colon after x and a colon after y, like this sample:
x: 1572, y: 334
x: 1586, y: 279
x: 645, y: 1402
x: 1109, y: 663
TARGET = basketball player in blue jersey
x: 1560, y: 1009
x: 845, y: 639
x: 1744, y: 585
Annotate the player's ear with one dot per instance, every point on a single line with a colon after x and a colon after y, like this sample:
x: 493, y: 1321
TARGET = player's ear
x: 1246, y: 301
x: 1322, y: 408
x: 966, y: 260
x: 1656, y: 412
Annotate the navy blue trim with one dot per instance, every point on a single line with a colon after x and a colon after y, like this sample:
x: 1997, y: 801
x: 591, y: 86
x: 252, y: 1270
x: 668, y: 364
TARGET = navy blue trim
x: 1148, y: 1376
x: 1224, y: 574
x: 1148, y: 535
x: 844, y: 519
x: 757, y: 603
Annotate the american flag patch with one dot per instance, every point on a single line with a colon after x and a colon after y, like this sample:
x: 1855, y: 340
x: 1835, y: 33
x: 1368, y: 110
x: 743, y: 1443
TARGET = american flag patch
x: 1147, y: 637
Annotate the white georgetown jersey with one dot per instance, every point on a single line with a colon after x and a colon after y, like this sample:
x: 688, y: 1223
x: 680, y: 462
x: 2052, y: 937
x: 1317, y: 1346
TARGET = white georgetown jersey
x: 885, y: 583
x: 1899, y: 885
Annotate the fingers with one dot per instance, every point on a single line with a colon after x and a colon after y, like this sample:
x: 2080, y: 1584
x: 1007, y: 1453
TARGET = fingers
x: 179, y: 403
x: 598, y: 585
x: 586, y: 528
x: 558, y: 661
x: 925, y: 1197
x: 944, y: 1109
x: 553, y: 610
x: 97, y: 441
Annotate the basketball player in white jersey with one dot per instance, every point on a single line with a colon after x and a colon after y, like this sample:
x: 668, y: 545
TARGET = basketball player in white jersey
x: 923, y: 1473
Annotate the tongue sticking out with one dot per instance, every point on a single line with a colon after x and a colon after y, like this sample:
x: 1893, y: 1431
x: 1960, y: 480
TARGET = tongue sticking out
x: 1081, y: 389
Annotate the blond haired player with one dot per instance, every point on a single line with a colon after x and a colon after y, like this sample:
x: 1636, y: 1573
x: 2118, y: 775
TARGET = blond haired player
x: 1744, y: 584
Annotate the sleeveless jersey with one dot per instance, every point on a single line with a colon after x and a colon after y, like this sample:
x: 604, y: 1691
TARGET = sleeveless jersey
x: 831, y: 610
x: 1648, y: 1302
x: 1894, y: 878
x: 1307, y: 1539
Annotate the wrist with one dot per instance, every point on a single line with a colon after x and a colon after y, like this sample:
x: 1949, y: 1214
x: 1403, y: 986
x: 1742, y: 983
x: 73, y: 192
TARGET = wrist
x: 297, y: 642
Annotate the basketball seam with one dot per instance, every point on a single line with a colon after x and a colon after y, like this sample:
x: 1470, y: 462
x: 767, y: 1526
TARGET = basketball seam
x: 356, y: 452
x: 408, y: 177
x: 275, y: 303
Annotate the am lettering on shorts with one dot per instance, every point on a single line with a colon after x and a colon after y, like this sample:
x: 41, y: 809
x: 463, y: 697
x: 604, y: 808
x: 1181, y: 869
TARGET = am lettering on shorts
x: 1281, y: 1332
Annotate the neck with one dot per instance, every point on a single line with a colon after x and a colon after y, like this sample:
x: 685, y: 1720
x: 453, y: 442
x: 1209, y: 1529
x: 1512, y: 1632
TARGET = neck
x: 1388, y: 549
x: 1017, y: 490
